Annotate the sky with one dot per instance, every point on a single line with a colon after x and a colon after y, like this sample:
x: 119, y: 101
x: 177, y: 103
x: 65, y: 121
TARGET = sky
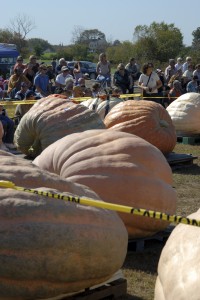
x: 56, y: 22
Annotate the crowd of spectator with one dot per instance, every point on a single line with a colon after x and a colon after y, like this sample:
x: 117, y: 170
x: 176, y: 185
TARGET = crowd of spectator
x: 34, y: 80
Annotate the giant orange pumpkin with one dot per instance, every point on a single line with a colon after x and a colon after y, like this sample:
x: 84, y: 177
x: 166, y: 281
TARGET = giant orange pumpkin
x: 49, y: 247
x: 146, y: 119
x: 121, y: 168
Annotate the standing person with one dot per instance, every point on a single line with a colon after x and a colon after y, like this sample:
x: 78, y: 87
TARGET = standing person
x: 19, y: 63
x: 62, y: 63
x: 133, y: 71
x: 187, y: 62
x: 34, y: 63
x: 170, y: 70
x: 104, y: 69
x: 77, y: 72
x: 54, y: 64
x: 179, y: 64
x: 41, y: 82
x: 150, y: 82
x: 121, y: 79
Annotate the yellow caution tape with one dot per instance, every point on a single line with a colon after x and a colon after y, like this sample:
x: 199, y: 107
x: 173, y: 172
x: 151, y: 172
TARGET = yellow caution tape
x: 14, y: 103
x: 106, y: 205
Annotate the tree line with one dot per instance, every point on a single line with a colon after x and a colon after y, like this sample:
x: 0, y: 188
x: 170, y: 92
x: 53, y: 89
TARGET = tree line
x: 157, y: 43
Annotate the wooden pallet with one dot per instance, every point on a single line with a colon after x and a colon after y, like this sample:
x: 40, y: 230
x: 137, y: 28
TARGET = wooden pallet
x: 116, y: 289
x: 140, y: 244
x: 188, y: 140
x: 177, y: 160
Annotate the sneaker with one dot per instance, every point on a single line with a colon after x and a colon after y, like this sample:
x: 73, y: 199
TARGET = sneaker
x: 3, y: 147
x: 10, y: 146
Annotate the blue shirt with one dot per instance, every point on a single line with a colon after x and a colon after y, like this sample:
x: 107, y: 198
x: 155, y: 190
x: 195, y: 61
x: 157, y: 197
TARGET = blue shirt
x: 42, y: 81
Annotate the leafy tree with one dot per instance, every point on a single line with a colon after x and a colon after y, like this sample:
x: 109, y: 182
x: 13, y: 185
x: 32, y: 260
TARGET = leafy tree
x: 196, y: 39
x: 158, y: 42
x: 38, y: 46
x: 86, y: 36
x: 6, y: 36
x: 121, y: 53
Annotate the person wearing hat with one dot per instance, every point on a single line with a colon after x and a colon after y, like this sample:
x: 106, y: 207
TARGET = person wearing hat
x: 20, y: 95
x: 192, y: 86
x: 61, y: 78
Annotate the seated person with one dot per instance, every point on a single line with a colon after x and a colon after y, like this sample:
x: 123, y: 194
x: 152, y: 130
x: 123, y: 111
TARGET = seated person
x: 15, y: 80
x: 20, y: 95
x: 192, y: 86
x: 8, y: 128
x: 121, y: 79
x: 21, y: 109
x: 175, y: 92
x: 41, y: 82
x: 95, y: 89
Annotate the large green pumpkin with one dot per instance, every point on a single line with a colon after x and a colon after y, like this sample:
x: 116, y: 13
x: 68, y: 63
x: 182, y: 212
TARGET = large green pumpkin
x: 50, y: 119
x: 49, y: 247
x: 121, y: 168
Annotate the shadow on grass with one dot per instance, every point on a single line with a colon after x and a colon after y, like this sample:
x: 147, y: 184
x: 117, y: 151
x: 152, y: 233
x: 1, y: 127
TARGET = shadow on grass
x: 129, y: 297
x: 147, y: 260
x: 191, y: 170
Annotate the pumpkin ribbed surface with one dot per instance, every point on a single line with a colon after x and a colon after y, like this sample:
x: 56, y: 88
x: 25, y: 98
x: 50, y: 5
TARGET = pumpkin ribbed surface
x: 121, y: 168
x: 179, y: 264
x: 50, y: 119
x: 145, y: 119
x: 185, y: 114
x: 49, y: 247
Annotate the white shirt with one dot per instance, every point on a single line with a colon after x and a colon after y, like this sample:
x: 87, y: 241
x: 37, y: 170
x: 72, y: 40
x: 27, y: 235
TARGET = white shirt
x: 61, y: 79
x: 152, y: 81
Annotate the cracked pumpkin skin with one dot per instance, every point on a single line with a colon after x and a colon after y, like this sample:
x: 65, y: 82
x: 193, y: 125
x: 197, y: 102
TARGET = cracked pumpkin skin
x: 145, y: 119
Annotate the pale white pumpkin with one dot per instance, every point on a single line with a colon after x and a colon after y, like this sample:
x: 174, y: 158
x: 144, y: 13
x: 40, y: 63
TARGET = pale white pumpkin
x: 179, y: 264
x: 105, y: 106
x: 92, y: 103
x: 185, y: 114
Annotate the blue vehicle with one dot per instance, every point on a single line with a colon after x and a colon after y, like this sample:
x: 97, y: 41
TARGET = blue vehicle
x: 87, y: 67
x: 8, y: 56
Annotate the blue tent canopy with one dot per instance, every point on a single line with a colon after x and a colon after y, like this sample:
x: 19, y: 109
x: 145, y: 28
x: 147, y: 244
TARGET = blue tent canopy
x: 8, y: 52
